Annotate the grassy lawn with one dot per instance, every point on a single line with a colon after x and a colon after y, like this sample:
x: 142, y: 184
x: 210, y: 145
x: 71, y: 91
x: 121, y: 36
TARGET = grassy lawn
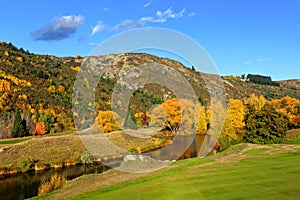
x: 59, y: 134
x: 14, y: 141
x: 271, y: 177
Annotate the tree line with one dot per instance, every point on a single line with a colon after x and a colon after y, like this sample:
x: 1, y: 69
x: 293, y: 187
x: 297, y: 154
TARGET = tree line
x: 263, y: 80
x: 252, y: 119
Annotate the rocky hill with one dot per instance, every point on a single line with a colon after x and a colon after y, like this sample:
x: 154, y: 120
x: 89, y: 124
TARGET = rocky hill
x: 51, y: 79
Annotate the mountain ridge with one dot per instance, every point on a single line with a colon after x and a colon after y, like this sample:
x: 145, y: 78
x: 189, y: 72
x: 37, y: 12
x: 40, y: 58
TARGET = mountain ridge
x: 52, y: 77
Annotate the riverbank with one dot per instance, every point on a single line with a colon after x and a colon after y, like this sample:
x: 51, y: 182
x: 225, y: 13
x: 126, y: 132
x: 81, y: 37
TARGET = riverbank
x: 244, y: 170
x: 58, y: 151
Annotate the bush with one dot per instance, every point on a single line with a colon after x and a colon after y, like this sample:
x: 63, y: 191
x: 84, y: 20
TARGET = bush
x: 224, y: 142
x: 26, y: 164
x: 56, y: 182
x: 87, y: 159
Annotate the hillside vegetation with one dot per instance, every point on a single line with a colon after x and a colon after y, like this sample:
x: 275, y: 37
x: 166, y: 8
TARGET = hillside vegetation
x: 41, y: 87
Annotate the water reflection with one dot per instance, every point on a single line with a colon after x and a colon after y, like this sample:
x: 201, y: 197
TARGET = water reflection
x: 22, y: 186
x: 191, y: 146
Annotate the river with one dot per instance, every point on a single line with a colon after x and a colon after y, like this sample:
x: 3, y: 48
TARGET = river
x: 25, y: 185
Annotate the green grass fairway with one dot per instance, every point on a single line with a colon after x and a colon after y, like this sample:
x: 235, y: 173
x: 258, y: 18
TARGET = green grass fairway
x: 269, y: 177
x: 14, y: 141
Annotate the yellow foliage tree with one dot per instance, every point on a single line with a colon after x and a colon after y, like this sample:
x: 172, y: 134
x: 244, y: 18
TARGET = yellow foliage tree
x: 228, y: 130
x: 257, y: 102
x: 107, y: 121
x: 203, y: 120
x: 8, y: 95
x: 235, y: 114
x: 176, y: 115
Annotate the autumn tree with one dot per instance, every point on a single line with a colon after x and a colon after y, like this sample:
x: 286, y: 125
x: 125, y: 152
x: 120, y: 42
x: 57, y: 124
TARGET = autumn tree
x: 40, y: 129
x: 175, y: 115
x: 18, y: 129
x: 257, y: 102
x: 228, y: 130
x: 107, y: 121
x: 235, y: 114
x: 290, y: 106
x: 264, y: 126
x: 10, y: 97
x: 203, y: 120
x: 49, y: 119
x: 4, y: 95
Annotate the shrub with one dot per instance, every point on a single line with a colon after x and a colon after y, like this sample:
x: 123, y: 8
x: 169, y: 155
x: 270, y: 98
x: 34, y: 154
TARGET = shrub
x: 26, y: 164
x: 56, y: 182
x: 224, y: 142
x: 87, y: 159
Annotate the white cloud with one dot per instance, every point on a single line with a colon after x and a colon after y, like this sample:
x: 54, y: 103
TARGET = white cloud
x: 247, y: 62
x: 127, y: 24
x: 106, y: 9
x: 191, y: 14
x: 162, y: 17
x: 147, y: 4
x: 59, y: 28
x: 98, y: 27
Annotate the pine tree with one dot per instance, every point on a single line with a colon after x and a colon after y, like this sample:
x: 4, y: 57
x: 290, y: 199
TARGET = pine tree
x: 18, y: 129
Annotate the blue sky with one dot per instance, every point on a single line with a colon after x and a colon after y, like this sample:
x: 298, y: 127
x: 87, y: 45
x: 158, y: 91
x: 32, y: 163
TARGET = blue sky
x: 241, y: 36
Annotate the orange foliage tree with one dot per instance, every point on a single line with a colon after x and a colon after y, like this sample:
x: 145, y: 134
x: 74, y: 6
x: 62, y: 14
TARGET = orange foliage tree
x: 40, y: 129
x: 291, y: 107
